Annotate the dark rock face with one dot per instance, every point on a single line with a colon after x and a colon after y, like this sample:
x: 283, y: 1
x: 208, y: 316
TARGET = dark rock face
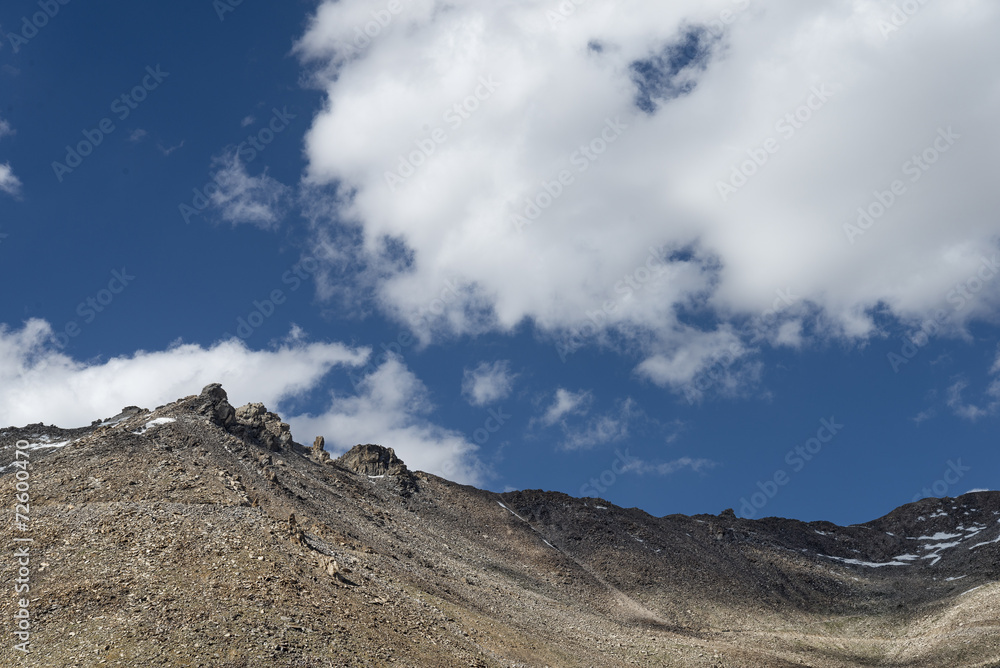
x: 373, y: 460
x: 264, y: 427
x: 216, y: 405
x: 252, y: 422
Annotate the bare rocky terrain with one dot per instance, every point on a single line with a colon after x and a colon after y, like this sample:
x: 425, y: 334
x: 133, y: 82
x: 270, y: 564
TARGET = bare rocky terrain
x: 199, y: 534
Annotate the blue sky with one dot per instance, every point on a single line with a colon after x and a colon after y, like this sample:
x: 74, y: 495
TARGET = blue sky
x: 673, y: 257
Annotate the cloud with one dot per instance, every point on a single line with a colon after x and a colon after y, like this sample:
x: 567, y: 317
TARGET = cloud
x: 487, y: 383
x: 9, y: 183
x: 38, y: 383
x: 644, y: 115
x: 698, y: 351
x: 988, y: 405
x: 247, y: 120
x: 595, y: 430
x: 599, y: 430
x: 570, y: 410
x: 566, y: 403
x: 970, y: 411
x: 390, y: 409
x: 241, y: 198
x: 641, y: 467
x: 168, y: 150
x: 137, y: 135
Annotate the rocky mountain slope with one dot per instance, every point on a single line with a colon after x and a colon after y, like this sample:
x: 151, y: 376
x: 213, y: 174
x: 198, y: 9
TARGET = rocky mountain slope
x: 200, y: 534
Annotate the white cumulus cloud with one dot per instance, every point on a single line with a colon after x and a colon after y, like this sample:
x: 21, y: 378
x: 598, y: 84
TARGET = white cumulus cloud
x: 488, y: 383
x: 544, y: 167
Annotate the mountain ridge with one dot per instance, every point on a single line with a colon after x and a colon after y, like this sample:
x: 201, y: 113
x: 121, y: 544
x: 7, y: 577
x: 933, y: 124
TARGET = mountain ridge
x: 358, y: 561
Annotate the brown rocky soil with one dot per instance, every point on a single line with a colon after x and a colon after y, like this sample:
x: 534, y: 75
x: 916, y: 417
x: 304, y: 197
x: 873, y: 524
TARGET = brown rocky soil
x: 202, y: 535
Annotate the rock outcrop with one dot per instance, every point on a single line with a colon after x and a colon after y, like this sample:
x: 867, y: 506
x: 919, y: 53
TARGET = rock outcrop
x: 252, y: 422
x: 373, y: 460
x: 319, y: 452
x: 376, y: 461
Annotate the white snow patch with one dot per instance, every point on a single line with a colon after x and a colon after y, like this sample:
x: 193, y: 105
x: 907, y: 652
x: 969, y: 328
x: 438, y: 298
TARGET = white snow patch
x: 45, y: 443
x: 995, y: 540
x: 870, y: 564
x: 941, y: 546
x: 601, y: 507
x: 940, y: 535
x: 153, y: 423
x: 512, y: 512
x: 966, y: 592
x: 955, y: 578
